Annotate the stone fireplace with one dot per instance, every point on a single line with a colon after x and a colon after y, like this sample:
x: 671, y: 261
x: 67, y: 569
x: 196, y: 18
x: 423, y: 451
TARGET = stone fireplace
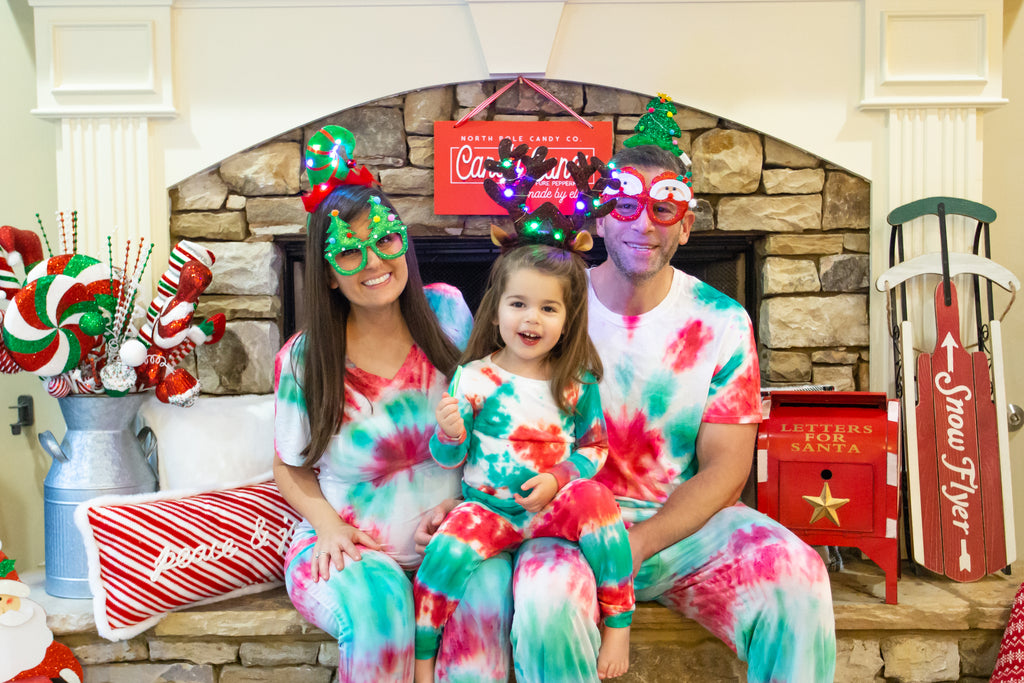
x: 780, y: 230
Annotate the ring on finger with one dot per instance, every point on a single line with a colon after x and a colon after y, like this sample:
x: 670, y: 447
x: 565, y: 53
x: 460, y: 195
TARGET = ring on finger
x: 316, y: 556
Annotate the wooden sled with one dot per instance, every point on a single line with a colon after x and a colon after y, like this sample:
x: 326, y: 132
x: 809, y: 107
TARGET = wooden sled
x: 956, y: 443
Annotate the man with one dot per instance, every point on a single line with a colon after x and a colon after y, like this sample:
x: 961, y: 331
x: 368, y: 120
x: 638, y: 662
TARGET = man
x: 681, y: 399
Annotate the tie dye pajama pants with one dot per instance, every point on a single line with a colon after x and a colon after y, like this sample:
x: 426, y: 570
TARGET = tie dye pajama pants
x: 368, y: 608
x: 747, y: 579
x: 583, y: 511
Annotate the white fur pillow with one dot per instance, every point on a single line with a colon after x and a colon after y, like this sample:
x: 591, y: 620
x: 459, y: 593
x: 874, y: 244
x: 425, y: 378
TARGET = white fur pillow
x: 151, y: 554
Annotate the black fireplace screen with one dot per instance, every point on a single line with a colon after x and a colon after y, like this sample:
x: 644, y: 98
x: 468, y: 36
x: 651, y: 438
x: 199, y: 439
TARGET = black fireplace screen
x: 726, y: 262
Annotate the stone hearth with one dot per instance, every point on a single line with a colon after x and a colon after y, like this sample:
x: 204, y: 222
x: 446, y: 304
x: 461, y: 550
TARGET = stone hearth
x: 940, y: 631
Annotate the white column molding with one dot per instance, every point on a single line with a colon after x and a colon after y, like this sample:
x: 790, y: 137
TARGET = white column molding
x: 934, y: 152
x: 103, y: 71
x: 103, y: 172
x: 103, y: 58
x: 931, y: 66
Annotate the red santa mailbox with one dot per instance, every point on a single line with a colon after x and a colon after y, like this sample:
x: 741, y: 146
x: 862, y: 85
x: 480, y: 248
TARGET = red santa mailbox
x: 828, y: 469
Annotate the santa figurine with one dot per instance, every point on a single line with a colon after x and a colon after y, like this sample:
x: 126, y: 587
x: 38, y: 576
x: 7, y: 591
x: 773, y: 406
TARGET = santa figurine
x: 28, y: 651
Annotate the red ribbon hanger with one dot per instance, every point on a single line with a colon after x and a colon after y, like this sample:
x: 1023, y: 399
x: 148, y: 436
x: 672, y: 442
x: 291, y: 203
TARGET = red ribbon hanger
x: 527, y: 81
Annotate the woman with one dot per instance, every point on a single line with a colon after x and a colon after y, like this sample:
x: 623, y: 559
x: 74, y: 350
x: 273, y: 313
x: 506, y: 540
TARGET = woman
x: 356, y: 393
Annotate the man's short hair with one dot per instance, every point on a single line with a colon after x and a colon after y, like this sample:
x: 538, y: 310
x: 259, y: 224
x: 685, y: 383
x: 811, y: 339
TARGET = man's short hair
x: 649, y: 156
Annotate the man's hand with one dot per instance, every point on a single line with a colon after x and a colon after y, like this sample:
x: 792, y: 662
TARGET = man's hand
x: 431, y: 522
x: 448, y: 417
x: 544, y: 487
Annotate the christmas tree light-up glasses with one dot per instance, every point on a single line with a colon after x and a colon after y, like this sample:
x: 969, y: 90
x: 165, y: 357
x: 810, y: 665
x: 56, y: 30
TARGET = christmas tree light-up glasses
x: 666, y: 200
x: 347, y: 253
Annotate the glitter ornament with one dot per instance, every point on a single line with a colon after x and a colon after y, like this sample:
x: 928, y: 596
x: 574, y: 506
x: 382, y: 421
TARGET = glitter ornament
x: 132, y: 353
x: 70, y: 319
x: 58, y: 387
x: 92, y: 323
x: 117, y: 378
x: 9, y: 282
x: 42, y: 327
x: 22, y: 247
x: 179, y: 388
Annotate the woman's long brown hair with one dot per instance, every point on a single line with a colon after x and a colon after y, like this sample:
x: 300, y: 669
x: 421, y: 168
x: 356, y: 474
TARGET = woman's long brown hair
x: 322, y: 347
x: 574, y: 355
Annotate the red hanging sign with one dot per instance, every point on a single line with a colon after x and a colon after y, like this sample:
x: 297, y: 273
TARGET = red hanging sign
x: 460, y: 152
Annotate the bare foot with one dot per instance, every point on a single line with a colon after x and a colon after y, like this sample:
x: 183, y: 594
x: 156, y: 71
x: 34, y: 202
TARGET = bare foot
x: 613, y: 657
x: 425, y: 670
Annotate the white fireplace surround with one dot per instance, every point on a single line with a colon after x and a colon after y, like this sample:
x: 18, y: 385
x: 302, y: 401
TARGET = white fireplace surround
x: 149, y: 92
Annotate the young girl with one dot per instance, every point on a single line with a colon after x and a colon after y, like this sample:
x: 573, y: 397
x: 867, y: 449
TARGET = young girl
x: 525, y: 416
x: 356, y: 396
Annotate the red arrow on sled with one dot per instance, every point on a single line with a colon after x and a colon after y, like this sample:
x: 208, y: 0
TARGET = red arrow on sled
x: 958, y: 463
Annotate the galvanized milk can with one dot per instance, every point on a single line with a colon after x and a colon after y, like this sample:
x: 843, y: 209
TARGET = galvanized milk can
x: 100, y: 455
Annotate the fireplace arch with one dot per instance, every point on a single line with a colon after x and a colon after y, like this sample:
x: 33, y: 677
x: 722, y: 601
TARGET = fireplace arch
x: 779, y: 229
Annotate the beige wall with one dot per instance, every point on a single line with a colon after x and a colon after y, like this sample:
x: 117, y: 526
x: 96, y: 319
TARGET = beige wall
x: 1004, y: 182
x: 28, y: 178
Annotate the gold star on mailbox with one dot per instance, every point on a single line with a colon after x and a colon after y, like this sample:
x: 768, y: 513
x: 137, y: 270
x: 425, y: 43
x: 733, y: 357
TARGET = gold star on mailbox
x: 825, y: 504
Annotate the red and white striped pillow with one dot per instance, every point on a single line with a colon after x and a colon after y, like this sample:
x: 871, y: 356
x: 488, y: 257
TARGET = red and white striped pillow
x: 152, y: 554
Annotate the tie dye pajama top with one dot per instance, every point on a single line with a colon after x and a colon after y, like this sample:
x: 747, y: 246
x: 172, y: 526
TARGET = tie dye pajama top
x: 516, y: 431
x: 691, y: 359
x: 377, y: 471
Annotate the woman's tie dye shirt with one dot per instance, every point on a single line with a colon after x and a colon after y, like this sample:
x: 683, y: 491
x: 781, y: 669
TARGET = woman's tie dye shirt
x: 377, y: 471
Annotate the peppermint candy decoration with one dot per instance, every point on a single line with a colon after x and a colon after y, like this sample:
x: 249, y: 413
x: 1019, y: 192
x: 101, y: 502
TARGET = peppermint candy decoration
x: 183, y: 252
x: 59, y: 386
x: 9, y: 283
x: 7, y: 364
x: 94, y: 274
x: 51, y: 324
x: 100, y: 284
x: 327, y: 154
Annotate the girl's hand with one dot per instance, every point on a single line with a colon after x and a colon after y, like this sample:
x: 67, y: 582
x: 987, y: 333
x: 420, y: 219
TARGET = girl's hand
x: 544, y: 487
x: 448, y: 417
x: 332, y: 547
x: 431, y: 522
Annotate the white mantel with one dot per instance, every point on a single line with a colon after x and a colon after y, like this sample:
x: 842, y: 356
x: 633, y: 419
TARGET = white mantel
x: 149, y: 92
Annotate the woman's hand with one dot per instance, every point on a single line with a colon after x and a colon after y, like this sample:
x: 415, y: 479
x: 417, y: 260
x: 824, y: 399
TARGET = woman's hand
x: 332, y: 546
x: 334, y: 538
x: 431, y: 522
x: 544, y: 487
x: 448, y: 417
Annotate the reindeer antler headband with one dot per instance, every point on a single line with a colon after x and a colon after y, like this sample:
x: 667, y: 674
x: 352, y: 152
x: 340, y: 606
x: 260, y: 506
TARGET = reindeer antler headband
x: 329, y: 164
x: 519, y: 172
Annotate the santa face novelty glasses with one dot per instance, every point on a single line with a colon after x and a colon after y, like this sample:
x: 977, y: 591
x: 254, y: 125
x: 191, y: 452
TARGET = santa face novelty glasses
x: 347, y: 253
x: 666, y: 200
